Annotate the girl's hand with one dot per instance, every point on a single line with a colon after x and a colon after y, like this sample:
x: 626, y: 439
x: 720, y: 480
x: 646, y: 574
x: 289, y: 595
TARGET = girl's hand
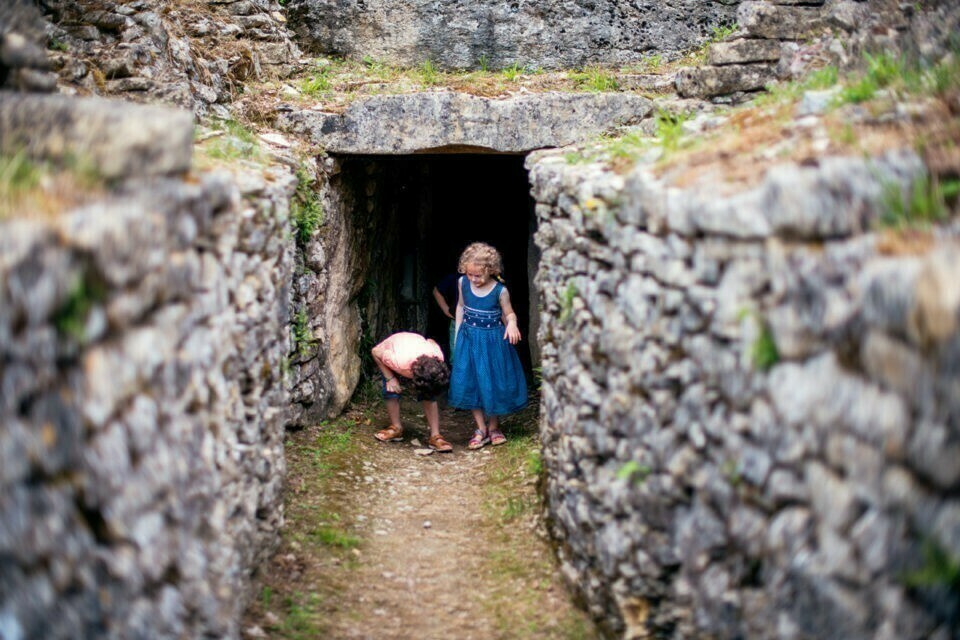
x: 393, y: 384
x: 512, y: 333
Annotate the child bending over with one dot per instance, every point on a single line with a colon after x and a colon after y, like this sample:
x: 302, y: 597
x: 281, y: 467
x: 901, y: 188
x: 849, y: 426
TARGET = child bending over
x: 411, y: 356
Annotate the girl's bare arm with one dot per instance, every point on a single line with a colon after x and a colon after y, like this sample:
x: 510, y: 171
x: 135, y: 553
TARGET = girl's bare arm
x: 512, y: 333
x: 459, y: 317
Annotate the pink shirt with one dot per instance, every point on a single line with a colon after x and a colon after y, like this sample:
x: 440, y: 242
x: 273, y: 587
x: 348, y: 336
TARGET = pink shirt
x: 400, y: 350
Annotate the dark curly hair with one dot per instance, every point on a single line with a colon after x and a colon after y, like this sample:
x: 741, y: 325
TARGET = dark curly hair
x: 430, y: 376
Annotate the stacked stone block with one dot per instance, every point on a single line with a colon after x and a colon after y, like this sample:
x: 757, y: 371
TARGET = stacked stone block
x: 750, y: 408
x: 192, y: 56
x: 143, y: 345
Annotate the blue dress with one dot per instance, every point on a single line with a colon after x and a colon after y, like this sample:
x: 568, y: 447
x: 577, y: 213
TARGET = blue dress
x: 487, y: 373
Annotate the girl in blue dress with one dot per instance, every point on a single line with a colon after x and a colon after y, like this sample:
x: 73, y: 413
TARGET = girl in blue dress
x: 487, y: 376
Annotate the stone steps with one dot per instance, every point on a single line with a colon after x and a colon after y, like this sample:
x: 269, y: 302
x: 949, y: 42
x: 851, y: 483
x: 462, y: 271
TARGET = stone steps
x: 752, y: 59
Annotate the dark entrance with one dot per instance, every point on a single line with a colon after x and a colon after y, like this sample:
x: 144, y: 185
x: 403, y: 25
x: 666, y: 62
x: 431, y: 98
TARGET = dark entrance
x: 413, y: 216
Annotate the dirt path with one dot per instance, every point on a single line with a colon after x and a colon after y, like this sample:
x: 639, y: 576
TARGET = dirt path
x: 384, y: 543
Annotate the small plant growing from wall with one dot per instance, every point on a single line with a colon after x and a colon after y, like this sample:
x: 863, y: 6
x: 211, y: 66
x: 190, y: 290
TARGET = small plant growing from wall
x: 306, y: 210
x: 566, y: 303
x: 937, y: 580
x: 303, y: 340
x: 71, y: 319
x: 938, y: 569
x: 634, y: 472
x: 763, y: 352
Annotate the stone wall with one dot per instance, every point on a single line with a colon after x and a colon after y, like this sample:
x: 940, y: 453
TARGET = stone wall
x: 193, y: 55
x: 784, y: 39
x: 461, y: 34
x: 750, y: 402
x: 143, y: 346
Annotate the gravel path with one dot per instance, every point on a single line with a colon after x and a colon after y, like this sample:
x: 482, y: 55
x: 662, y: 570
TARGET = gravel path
x: 384, y: 543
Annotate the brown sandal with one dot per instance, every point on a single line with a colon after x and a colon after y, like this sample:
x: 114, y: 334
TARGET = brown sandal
x: 437, y: 443
x: 390, y: 434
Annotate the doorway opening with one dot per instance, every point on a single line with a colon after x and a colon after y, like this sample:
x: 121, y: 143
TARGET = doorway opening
x: 408, y: 218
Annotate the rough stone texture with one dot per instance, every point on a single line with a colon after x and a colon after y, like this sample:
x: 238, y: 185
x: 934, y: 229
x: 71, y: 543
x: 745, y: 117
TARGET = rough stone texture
x: 114, y: 139
x: 743, y: 51
x: 142, y: 409
x: 23, y: 61
x: 325, y: 288
x: 708, y: 82
x: 195, y: 56
x: 459, y: 34
x: 445, y: 121
x: 794, y: 36
x: 695, y: 494
x: 762, y: 19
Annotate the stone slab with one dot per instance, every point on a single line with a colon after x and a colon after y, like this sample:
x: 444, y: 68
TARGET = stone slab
x: 446, y: 122
x: 707, y: 82
x: 742, y: 51
x: 768, y: 20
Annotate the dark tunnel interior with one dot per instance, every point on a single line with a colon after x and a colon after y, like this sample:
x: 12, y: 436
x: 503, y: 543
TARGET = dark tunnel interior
x: 417, y: 213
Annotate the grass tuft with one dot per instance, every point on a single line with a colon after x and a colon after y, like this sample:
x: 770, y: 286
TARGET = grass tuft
x: 923, y: 204
x: 670, y: 129
x: 512, y: 72
x: 595, y: 79
x: 429, y: 74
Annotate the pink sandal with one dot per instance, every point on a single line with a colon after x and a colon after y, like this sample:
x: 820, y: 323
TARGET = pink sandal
x: 497, y: 437
x: 478, y: 440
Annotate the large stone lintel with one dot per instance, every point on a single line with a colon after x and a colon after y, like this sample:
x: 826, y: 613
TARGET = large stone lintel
x: 116, y: 139
x: 415, y: 123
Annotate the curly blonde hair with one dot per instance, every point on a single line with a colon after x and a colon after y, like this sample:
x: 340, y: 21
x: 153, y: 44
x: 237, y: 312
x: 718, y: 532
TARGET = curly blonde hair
x: 482, y: 255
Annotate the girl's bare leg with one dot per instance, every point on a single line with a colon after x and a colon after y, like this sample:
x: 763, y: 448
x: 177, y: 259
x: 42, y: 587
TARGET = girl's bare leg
x: 478, y: 417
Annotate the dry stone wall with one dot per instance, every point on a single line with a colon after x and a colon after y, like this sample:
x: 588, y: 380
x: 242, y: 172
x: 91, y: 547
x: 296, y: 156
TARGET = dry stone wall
x: 461, y: 34
x: 783, y: 39
x: 193, y: 55
x: 750, y: 403
x: 143, y: 347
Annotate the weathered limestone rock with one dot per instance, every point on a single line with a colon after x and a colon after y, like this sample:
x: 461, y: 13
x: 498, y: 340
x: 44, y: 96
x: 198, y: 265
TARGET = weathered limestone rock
x: 461, y: 34
x: 743, y: 51
x: 115, y: 139
x: 192, y: 55
x: 23, y: 60
x: 760, y: 19
x: 142, y: 412
x: 707, y: 82
x: 843, y: 453
x: 445, y: 121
